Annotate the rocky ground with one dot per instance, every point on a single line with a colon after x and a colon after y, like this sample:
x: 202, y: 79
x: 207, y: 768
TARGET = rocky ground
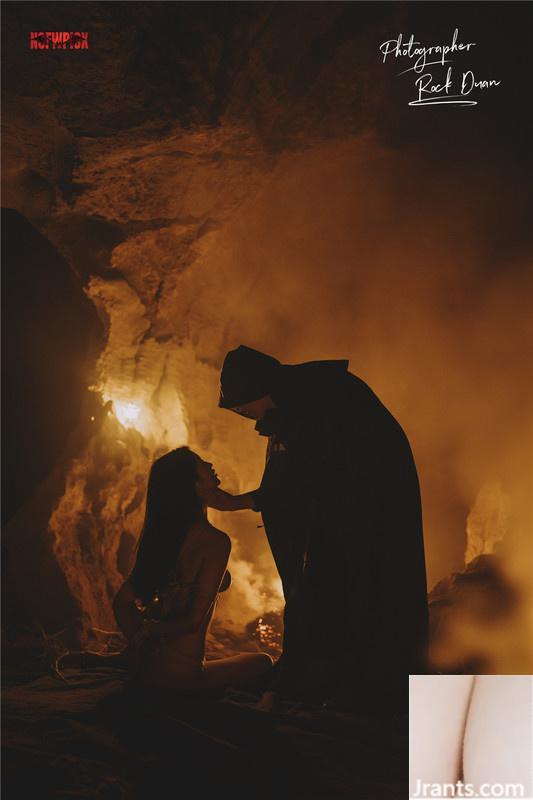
x: 89, y: 734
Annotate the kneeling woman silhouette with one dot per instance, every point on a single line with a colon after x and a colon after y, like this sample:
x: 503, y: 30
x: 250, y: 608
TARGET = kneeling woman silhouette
x: 165, y: 606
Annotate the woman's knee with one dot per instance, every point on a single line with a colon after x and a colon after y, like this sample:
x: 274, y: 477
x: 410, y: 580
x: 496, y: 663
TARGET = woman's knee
x: 258, y: 663
x: 263, y: 661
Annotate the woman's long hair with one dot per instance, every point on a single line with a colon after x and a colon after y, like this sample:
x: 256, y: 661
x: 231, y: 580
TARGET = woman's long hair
x: 171, y: 506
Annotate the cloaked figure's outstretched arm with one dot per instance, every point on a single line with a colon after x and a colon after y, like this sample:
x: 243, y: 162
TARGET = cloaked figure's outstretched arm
x: 224, y: 501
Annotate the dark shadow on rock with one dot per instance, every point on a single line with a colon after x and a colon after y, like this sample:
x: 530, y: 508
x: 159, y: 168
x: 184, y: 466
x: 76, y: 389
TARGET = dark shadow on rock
x: 98, y: 735
x: 51, y: 337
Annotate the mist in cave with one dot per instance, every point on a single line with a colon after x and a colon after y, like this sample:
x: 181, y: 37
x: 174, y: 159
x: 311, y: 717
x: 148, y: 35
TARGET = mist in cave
x: 308, y: 229
x: 212, y: 174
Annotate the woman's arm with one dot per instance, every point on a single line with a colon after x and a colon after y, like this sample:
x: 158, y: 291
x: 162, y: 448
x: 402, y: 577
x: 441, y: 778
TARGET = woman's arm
x: 206, y: 589
x: 223, y: 501
x: 128, y: 617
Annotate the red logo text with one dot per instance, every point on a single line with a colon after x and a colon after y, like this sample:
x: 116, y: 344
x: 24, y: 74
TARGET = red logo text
x: 59, y: 40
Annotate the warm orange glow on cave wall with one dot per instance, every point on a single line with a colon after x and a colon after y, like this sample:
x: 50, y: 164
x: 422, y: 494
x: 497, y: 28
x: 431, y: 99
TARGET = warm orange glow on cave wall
x: 98, y: 520
x: 329, y: 252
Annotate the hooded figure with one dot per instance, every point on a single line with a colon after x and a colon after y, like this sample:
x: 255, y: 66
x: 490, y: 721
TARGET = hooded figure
x: 340, y: 502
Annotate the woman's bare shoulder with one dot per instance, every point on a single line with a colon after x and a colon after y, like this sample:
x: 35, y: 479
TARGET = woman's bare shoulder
x: 217, y: 538
x: 206, y: 537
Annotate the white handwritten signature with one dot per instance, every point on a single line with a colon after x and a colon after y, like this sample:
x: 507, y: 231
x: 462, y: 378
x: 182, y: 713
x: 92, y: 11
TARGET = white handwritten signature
x: 431, y: 91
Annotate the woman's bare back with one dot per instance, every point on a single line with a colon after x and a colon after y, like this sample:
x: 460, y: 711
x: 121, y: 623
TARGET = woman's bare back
x: 178, y: 661
x: 202, y: 543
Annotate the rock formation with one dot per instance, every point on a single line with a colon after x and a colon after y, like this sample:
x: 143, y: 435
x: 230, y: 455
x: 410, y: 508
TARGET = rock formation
x: 224, y: 173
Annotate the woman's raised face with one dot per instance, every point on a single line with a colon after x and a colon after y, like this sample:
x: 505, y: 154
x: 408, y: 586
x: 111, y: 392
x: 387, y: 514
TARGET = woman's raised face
x: 207, y: 477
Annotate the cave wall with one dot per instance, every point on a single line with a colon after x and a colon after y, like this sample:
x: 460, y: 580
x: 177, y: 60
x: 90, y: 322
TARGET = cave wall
x: 223, y: 173
x: 51, y: 336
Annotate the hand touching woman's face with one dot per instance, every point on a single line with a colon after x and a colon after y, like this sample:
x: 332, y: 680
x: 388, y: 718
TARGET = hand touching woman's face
x: 207, y: 477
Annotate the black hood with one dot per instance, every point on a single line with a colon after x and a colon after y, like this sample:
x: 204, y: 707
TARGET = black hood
x: 247, y: 375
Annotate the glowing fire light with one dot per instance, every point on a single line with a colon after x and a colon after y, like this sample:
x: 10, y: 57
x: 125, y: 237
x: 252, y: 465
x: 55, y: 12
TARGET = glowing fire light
x: 267, y: 630
x: 126, y: 413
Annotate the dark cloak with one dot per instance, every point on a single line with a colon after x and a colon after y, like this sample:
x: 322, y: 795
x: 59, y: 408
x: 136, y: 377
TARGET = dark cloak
x: 340, y: 501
